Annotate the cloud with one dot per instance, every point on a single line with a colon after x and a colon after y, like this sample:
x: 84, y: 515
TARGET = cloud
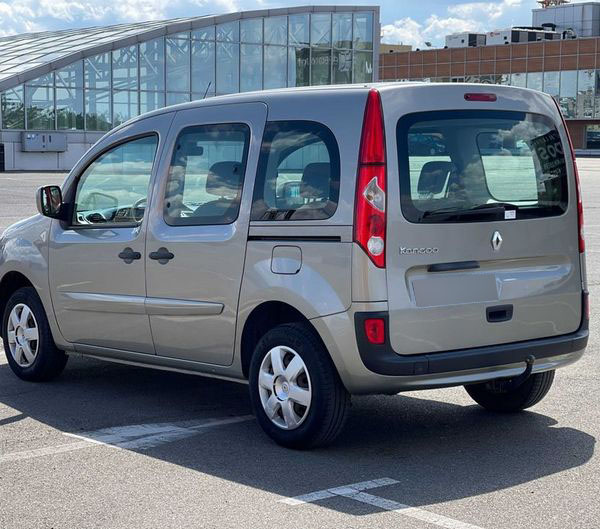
x: 469, y: 16
x: 25, y: 16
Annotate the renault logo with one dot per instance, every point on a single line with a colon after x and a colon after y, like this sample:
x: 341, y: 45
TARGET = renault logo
x: 496, y: 241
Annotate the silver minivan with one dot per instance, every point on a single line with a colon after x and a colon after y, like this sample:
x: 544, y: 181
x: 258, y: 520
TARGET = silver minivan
x: 315, y: 243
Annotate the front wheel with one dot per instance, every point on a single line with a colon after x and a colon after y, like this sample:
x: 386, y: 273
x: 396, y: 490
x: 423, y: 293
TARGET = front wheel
x: 495, y: 397
x: 28, y: 342
x: 297, y: 395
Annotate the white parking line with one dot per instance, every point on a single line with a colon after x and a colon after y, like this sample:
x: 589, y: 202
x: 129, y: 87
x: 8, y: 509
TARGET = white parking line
x: 355, y: 492
x: 132, y: 437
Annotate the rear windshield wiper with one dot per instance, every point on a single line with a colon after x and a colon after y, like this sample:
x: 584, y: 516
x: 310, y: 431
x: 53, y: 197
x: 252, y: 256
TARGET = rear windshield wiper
x: 492, y: 208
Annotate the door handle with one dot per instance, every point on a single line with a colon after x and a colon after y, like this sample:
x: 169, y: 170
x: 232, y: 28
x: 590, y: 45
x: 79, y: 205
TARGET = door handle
x: 162, y: 255
x: 128, y: 255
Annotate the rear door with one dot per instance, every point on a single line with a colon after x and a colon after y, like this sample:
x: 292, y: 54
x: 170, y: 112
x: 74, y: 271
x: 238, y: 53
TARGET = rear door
x: 483, y: 246
x: 196, y: 240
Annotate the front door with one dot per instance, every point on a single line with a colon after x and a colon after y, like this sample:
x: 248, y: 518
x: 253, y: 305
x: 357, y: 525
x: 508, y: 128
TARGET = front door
x: 197, y: 231
x: 96, y: 259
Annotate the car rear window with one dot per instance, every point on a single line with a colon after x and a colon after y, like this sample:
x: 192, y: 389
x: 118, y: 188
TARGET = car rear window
x: 474, y: 166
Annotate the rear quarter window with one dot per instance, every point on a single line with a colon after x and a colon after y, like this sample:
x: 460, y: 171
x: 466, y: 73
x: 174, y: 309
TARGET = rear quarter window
x: 298, y: 173
x: 462, y: 166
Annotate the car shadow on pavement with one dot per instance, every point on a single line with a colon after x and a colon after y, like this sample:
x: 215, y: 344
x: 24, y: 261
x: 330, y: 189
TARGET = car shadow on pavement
x: 437, y: 451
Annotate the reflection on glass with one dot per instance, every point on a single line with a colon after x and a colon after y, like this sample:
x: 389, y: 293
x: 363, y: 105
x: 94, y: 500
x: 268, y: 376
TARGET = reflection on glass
x: 320, y: 30
x: 97, y: 110
x: 586, y: 93
x: 69, y: 108
x: 275, y: 66
x: 251, y: 67
x: 298, y: 30
x: 207, y: 33
x: 125, y: 68
x: 597, y: 95
x: 125, y: 106
x: 152, y: 65
x: 44, y: 80
x: 568, y: 92
x: 228, y: 56
x: 97, y: 71
x: 174, y: 98
x: 39, y: 105
x: 251, y: 30
x: 552, y: 83
x: 276, y: 30
x: 299, y: 67
x: 70, y: 76
x: 203, y: 67
x: 519, y: 80
x: 503, y: 79
x: 178, y: 65
x: 321, y: 67
x: 228, y: 32
x: 535, y: 80
x: 363, y: 31
x: 592, y: 137
x: 13, y: 108
x: 342, y: 30
x: 363, y: 66
x: 151, y: 101
x: 342, y: 66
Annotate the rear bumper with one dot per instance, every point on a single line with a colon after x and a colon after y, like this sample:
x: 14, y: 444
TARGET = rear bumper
x: 383, y: 360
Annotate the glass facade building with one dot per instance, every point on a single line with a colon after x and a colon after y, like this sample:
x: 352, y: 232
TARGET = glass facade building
x: 95, y: 79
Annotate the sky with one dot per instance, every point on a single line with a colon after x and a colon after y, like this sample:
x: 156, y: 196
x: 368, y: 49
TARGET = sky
x: 403, y: 21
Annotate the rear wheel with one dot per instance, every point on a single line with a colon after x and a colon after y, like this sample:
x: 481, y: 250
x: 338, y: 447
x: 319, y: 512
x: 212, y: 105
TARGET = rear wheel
x: 495, y: 396
x: 297, y: 395
x: 28, y: 342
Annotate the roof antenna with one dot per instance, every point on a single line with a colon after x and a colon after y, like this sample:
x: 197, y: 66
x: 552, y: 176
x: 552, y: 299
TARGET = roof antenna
x: 209, y: 83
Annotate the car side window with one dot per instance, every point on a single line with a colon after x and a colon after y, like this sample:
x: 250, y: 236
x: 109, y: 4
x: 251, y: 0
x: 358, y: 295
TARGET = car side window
x: 206, y: 175
x: 298, y: 176
x: 113, y: 190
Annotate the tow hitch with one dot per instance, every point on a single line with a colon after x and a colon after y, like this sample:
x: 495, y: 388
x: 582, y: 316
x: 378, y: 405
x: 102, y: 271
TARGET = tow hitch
x: 511, y: 384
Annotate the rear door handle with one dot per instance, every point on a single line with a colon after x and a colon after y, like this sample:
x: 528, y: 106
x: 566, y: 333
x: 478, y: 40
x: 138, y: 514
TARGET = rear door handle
x: 162, y: 255
x: 499, y: 313
x: 128, y: 255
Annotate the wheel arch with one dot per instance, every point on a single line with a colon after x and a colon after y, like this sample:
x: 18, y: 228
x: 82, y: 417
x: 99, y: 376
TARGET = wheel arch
x: 262, y: 319
x: 10, y: 283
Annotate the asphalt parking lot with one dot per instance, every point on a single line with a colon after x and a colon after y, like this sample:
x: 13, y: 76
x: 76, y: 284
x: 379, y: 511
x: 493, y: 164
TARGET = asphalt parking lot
x: 111, y: 446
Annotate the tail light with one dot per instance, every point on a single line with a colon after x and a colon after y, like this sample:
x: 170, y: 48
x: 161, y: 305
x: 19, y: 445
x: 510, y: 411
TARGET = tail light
x: 375, y: 330
x: 577, y: 184
x: 370, y: 204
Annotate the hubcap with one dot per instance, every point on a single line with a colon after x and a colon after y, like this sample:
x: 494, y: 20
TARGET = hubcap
x: 23, y: 335
x: 284, y: 387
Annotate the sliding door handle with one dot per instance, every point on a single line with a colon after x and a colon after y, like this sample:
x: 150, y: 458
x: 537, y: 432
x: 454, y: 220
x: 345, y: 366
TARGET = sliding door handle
x: 128, y: 255
x: 162, y: 255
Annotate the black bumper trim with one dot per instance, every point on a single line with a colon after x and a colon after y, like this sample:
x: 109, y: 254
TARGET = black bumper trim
x: 383, y: 360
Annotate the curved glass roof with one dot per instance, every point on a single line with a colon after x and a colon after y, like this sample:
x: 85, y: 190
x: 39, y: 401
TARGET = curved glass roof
x: 30, y: 52
x: 27, y: 56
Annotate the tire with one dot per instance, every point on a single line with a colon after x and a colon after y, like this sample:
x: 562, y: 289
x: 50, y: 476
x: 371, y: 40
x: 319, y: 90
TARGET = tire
x: 492, y: 397
x: 30, y: 359
x: 312, y: 425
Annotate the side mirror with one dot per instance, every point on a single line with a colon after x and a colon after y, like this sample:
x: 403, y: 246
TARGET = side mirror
x: 49, y: 201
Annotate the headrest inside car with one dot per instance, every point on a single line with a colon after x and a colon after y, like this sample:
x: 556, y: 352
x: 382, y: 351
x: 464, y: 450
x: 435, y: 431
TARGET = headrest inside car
x: 433, y: 177
x: 224, y: 179
x: 316, y: 181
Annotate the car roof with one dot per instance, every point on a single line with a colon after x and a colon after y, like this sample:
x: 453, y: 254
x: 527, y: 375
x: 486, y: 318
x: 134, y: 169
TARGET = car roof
x: 265, y: 96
